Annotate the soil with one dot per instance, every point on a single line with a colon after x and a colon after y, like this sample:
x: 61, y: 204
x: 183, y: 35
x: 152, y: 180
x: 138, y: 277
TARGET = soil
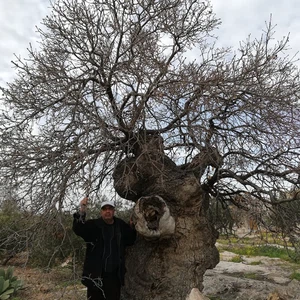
x: 56, y: 284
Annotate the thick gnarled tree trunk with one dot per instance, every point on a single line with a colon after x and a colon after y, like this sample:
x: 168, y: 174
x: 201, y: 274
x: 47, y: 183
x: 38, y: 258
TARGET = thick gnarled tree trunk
x: 176, y: 242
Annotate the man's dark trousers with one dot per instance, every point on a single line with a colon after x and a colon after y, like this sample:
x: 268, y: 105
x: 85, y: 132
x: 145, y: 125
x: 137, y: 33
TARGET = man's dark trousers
x: 111, y: 289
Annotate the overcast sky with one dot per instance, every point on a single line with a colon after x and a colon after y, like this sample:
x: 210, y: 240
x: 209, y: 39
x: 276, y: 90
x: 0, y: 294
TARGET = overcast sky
x: 240, y: 18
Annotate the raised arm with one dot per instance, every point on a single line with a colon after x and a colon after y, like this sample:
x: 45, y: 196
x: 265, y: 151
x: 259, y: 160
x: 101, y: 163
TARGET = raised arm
x: 80, y: 226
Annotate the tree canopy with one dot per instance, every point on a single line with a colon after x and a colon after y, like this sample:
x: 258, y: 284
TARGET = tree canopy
x: 110, y: 72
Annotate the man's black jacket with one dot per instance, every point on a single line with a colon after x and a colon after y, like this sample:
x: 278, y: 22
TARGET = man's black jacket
x: 92, y: 233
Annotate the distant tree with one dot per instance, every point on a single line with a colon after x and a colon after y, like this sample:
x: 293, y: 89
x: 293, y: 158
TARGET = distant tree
x: 135, y: 94
x: 287, y: 212
x: 284, y: 220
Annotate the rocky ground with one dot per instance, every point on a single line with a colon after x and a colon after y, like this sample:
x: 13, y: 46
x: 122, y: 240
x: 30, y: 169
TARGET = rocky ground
x: 254, y: 278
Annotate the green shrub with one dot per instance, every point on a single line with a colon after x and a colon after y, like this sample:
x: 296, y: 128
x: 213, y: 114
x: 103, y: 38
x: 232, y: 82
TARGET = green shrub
x: 54, y: 241
x: 9, y: 284
x: 13, y: 230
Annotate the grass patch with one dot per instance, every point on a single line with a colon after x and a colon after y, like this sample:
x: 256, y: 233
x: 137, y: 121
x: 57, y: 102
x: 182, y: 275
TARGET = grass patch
x: 261, y: 250
x: 275, y: 239
x: 251, y: 276
x: 266, y: 250
x: 67, y: 283
x: 237, y: 259
x: 295, y: 275
x: 261, y: 238
x: 229, y: 240
x: 255, y: 263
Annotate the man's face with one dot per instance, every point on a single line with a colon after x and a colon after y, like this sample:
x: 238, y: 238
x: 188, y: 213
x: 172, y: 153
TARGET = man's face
x: 107, y: 213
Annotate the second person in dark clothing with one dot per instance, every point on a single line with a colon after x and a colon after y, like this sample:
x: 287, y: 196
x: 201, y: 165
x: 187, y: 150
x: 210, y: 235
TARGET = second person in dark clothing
x: 106, y: 239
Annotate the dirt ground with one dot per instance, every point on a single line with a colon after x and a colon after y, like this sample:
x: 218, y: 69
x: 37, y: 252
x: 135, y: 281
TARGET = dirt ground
x: 53, y: 285
x: 228, y: 281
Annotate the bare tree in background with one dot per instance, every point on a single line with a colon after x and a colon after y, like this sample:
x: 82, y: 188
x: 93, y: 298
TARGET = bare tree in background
x: 135, y: 93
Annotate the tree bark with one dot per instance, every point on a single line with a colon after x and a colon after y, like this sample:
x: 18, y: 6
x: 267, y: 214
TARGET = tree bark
x: 165, y: 264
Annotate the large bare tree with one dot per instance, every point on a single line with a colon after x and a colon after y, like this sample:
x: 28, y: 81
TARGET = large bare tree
x: 133, y: 92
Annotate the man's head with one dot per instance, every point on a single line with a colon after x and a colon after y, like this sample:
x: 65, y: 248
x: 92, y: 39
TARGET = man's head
x: 108, y: 211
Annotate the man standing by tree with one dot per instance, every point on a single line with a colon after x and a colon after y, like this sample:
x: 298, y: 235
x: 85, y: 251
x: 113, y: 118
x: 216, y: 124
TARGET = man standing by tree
x: 135, y: 93
x: 106, y: 239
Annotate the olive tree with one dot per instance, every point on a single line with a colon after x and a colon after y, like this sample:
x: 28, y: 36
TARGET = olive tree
x: 134, y: 94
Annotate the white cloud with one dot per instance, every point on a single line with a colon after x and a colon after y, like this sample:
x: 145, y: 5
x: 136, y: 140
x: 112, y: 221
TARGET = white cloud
x: 243, y: 17
x: 240, y: 18
x: 18, y: 21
